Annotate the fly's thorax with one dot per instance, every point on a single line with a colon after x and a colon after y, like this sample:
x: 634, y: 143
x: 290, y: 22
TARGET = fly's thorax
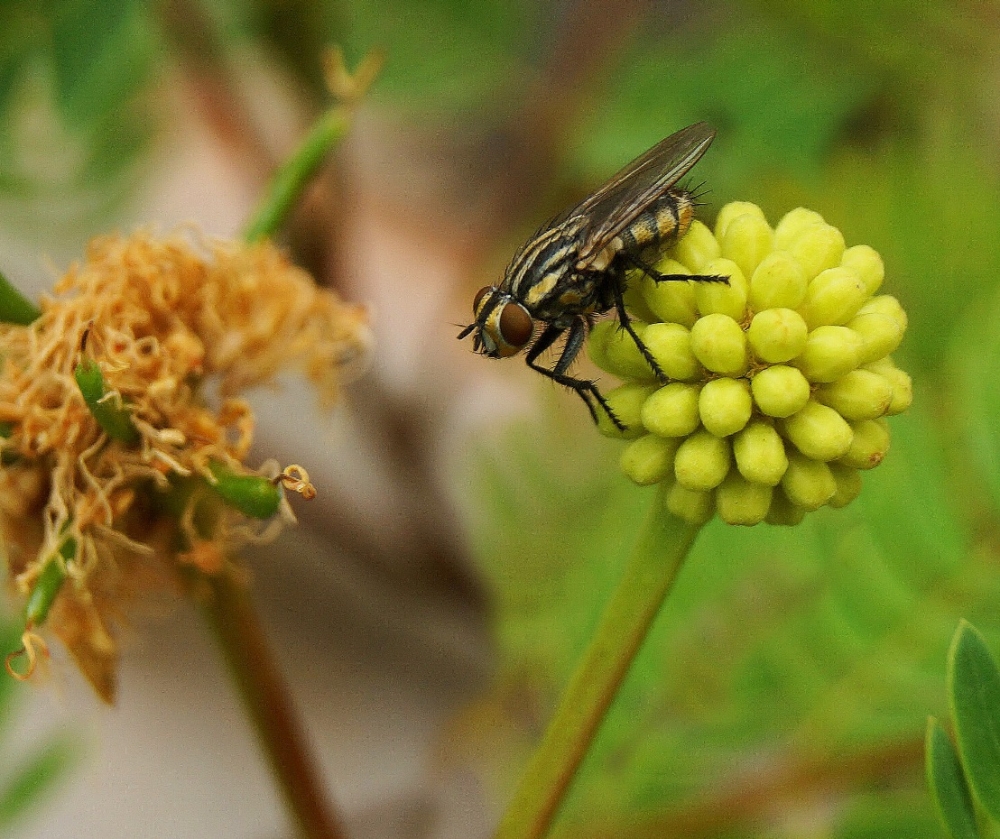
x: 504, y: 326
x: 545, y: 262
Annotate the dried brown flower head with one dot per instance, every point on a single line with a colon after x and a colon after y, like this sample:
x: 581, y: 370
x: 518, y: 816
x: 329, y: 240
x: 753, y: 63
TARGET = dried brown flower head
x: 153, y: 320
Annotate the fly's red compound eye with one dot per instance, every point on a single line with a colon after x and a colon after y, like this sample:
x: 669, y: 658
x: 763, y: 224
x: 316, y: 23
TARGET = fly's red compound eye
x: 516, y: 325
x: 479, y: 297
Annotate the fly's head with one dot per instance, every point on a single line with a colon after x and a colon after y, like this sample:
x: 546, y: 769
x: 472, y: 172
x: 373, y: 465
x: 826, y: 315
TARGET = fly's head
x: 502, y: 326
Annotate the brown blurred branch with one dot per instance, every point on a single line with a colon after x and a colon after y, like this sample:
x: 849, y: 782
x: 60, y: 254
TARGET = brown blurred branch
x: 219, y: 98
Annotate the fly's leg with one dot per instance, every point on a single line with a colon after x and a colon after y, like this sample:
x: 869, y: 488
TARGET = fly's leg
x: 658, y: 277
x: 585, y: 389
x: 625, y: 321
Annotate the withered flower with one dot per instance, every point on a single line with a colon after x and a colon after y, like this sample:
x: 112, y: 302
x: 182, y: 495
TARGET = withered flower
x: 121, y: 471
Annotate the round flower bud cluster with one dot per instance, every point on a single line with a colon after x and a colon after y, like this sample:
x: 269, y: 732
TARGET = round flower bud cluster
x: 778, y: 382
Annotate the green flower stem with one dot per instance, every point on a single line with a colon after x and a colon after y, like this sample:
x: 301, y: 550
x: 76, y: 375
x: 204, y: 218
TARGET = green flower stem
x: 265, y: 694
x: 293, y: 176
x: 656, y: 560
x: 14, y: 306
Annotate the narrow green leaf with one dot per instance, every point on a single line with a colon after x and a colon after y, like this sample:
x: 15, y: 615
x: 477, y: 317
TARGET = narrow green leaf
x: 43, y: 595
x: 974, y: 693
x: 252, y: 495
x: 14, y: 306
x: 947, y: 784
x: 112, y: 417
x: 36, y: 778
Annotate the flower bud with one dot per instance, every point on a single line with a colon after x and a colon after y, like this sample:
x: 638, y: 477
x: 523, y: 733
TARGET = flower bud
x: 880, y: 335
x: 818, y: 432
x: 899, y: 381
x: 808, y: 483
x: 649, y: 459
x: 697, y: 248
x: 672, y: 411
x: 760, y: 454
x: 848, y: 485
x: 747, y: 239
x: 690, y: 505
x: 720, y: 344
x: 792, y: 224
x: 732, y: 211
x: 868, y: 265
x: 859, y: 395
x: 830, y: 352
x: 702, y: 461
x: 783, y: 512
x: 622, y: 356
x: 596, y: 342
x: 778, y: 283
x: 725, y: 298
x: 777, y: 335
x: 817, y: 247
x: 739, y: 501
x: 868, y: 445
x: 834, y: 296
x: 626, y: 402
x: 725, y: 406
x: 670, y: 345
x: 886, y: 304
x: 635, y: 301
x: 780, y: 391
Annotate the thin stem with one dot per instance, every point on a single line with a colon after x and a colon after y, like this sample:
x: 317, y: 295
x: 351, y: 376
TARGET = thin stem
x: 291, y: 179
x: 265, y: 694
x: 656, y: 559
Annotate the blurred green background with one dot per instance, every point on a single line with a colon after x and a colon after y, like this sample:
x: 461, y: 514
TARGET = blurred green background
x: 787, y: 684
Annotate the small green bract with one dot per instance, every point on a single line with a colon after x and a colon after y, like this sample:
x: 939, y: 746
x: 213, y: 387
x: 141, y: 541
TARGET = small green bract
x: 780, y: 381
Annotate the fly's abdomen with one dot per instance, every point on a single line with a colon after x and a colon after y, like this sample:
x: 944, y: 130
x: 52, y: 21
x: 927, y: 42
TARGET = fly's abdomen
x: 666, y: 221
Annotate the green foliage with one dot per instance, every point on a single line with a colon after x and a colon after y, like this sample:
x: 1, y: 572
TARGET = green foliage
x: 974, y: 697
x: 27, y: 780
x: 74, y: 112
x: 814, y: 641
x: 947, y: 784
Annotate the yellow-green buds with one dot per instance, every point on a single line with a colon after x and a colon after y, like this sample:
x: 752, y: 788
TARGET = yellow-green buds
x: 778, y: 382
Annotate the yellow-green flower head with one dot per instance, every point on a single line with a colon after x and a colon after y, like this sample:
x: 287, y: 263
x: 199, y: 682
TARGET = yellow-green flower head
x: 779, y: 381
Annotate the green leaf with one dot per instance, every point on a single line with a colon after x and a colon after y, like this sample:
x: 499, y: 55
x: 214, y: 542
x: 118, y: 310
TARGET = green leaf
x: 947, y: 784
x: 14, y: 306
x: 110, y: 415
x: 252, y: 495
x: 36, y: 777
x: 974, y: 693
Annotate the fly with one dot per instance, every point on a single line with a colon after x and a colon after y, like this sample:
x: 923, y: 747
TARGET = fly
x: 574, y: 268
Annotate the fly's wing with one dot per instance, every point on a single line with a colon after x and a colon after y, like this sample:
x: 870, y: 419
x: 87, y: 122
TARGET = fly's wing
x: 630, y: 192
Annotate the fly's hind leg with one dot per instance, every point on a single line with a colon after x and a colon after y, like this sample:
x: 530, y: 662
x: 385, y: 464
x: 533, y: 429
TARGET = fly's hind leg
x: 659, y: 277
x: 585, y: 389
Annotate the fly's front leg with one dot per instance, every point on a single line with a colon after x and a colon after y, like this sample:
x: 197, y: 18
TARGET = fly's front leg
x: 585, y: 389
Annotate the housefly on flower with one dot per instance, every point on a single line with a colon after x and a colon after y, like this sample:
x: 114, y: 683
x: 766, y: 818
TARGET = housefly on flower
x: 573, y: 269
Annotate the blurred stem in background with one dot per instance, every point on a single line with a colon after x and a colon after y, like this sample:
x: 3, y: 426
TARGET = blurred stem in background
x: 226, y: 601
